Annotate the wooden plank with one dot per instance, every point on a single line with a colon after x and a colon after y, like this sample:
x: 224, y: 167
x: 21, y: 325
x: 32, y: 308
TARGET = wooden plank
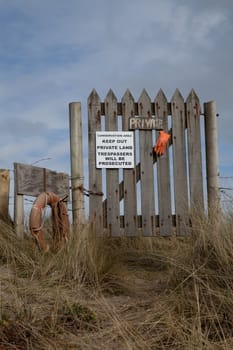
x: 32, y: 180
x: 4, y: 194
x: 57, y: 183
x: 139, y: 221
x: 112, y: 175
x: 193, y: 110
x: 145, y: 123
x: 95, y: 175
x: 18, y: 205
x: 212, y: 162
x: 179, y: 164
x: 138, y: 170
x: 163, y: 172
x: 129, y: 175
x: 76, y: 160
x: 146, y: 170
x: 136, y: 108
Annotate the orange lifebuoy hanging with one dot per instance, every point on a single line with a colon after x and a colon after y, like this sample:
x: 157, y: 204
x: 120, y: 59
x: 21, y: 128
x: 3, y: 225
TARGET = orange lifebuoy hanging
x: 59, y: 216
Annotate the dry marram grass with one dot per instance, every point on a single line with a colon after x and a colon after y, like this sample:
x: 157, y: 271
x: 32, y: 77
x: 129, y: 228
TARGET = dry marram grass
x: 134, y: 294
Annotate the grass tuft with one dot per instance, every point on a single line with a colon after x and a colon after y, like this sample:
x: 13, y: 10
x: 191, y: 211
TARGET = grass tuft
x: 122, y: 293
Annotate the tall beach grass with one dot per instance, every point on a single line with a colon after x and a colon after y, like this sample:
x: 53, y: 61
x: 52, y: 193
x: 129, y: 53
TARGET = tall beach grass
x: 124, y: 293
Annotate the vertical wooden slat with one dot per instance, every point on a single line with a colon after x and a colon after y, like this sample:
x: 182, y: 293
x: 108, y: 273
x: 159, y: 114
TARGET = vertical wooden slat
x: 95, y: 175
x: 163, y: 171
x: 112, y: 175
x: 179, y: 163
x: 194, y: 153
x: 130, y: 197
x: 147, y: 178
x: 212, y: 163
x: 76, y: 158
x: 18, y: 206
x: 4, y: 194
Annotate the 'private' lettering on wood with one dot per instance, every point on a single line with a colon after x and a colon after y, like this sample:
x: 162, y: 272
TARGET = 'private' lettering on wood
x: 144, y: 123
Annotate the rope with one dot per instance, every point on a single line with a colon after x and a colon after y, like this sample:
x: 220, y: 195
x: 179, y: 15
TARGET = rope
x: 64, y: 199
x: 87, y: 192
x: 38, y: 207
x: 43, y: 218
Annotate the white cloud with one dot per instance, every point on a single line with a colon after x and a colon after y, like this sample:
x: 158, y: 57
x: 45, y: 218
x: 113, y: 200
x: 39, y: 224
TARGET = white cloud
x: 55, y: 52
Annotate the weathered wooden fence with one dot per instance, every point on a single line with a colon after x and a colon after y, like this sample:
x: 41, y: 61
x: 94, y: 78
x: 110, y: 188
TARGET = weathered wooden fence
x: 31, y: 181
x: 153, y: 195
x: 142, y: 201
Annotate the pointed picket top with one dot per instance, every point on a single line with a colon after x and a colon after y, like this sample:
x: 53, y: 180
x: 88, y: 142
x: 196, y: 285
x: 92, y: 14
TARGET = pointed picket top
x: 110, y: 96
x: 93, y: 97
x: 127, y: 104
x: 111, y: 111
x: 127, y: 108
x: 193, y: 103
x: 161, y: 108
x: 160, y: 104
x: 178, y: 107
x: 161, y: 96
x: 177, y: 96
x: 144, y: 96
x: 192, y: 96
x: 144, y: 101
x: 94, y: 110
x: 127, y: 96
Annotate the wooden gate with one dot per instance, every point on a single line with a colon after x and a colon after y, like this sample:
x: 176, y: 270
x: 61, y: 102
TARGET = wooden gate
x: 158, y: 194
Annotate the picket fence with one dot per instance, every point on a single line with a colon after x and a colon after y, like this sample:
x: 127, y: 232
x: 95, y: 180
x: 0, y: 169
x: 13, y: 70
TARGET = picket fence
x: 158, y: 195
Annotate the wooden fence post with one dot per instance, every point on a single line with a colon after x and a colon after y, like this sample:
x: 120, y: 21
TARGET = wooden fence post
x: 95, y: 175
x: 18, y: 207
x: 4, y: 194
x: 212, y: 169
x: 76, y: 154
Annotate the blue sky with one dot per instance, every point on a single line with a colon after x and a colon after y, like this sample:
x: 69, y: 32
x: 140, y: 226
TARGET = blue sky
x: 53, y: 52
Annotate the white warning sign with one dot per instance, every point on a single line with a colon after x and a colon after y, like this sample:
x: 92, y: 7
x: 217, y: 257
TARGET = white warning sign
x: 114, y: 149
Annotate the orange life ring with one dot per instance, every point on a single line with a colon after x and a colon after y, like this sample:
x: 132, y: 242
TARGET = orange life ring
x: 59, y: 216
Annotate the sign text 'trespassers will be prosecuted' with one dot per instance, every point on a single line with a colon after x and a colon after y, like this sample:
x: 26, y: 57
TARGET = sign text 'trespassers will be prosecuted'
x: 114, y: 149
